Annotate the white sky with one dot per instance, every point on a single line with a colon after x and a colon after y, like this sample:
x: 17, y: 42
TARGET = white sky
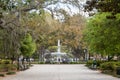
x: 69, y: 8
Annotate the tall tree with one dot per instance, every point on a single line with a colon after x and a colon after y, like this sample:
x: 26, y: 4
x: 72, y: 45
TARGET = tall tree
x: 28, y: 46
x: 16, y: 22
x: 102, y: 35
x: 70, y: 33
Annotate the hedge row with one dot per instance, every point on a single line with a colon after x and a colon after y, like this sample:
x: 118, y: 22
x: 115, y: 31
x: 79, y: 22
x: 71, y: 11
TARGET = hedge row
x: 108, y: 67
x: 5, y: 61
x: 8, y: 67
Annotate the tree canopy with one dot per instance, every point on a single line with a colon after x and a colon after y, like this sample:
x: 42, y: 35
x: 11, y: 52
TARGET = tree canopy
x: 102, y: 35
x: 38, y: 17
x: 112, y: 6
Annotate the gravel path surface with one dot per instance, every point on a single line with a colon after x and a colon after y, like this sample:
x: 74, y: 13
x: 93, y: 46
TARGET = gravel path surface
x: 59, y: 72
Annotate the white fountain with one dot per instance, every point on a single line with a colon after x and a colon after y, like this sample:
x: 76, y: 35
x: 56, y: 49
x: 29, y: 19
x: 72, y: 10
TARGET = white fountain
x: 58, y: 53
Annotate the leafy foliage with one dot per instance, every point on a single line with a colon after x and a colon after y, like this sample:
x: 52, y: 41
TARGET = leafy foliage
x: 17, y: 17
x: 28, y: 46
x: 108, y: 66
x: 102, y: 35
x: 112, y: 6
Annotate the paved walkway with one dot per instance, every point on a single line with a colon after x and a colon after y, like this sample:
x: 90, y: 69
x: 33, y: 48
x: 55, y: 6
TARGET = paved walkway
x: 59, y: 72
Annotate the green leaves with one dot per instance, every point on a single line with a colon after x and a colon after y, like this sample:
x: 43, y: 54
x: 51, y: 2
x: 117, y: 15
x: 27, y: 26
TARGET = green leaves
x: 28, y: 46
x: 111, y: 6
x: 102, y: 35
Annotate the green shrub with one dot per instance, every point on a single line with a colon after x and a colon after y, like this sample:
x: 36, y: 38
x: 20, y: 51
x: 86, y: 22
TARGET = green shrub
x: 118, y: 64
x: 41, y: 62
x: 3, y: 68
x: 109, y: 66
x: 36, y: 62
x: 71, y: 62
x: 10, y: 73
x: 2, y: 75
x: 99, y: 62
x: 6, y: 61
x: 8, y: 67
x: 82, y: 62
x: 51, y: 63
x: 89, y: 63
x: 74, y: 62
x: 11, y: 67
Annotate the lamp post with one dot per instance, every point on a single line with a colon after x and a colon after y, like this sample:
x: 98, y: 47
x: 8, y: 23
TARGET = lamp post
x: 86, y: 54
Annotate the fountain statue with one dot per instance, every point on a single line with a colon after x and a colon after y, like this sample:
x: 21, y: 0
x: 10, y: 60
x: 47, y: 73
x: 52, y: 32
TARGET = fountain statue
x: 58, y: 46
x: 58, y: 53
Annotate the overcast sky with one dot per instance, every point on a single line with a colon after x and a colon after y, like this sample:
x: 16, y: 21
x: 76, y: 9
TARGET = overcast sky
x: 69, y: 8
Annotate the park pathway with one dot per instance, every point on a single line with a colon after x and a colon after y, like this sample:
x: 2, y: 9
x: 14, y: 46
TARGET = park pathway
x: 59, y: 72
